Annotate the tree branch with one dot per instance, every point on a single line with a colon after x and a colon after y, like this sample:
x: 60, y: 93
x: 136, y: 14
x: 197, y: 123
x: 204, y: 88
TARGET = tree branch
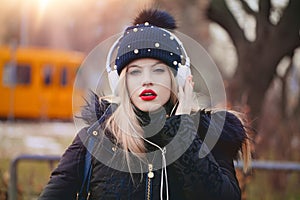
x: 219, y: 12
x: 263, y: 23
x: 264, y: 7
x: 288, y: 27
x: 291, y: 16
x: 247, y: 8
x: 284, y: 94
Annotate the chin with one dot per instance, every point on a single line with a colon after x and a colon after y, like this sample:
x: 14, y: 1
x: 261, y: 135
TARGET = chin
x: 149, y: 107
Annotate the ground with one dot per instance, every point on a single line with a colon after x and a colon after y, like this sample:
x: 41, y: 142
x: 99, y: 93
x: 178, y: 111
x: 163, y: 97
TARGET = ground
x: 34, y: 137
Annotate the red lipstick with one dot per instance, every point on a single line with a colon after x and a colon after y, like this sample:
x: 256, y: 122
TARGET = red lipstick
x: 148, y: 95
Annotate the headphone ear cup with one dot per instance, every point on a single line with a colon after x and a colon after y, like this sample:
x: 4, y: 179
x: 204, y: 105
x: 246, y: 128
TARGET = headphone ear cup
x: 182, y: 73
x: 113, y: 80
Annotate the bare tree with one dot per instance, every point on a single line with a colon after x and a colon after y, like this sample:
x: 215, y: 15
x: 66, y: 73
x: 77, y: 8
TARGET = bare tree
x: 258, y: 59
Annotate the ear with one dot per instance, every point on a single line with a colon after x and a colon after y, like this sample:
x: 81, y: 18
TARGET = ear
x: 113, y: 80
x: 182, y: 73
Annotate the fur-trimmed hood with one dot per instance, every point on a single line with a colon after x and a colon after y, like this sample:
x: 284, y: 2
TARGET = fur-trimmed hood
x: 94, y: 109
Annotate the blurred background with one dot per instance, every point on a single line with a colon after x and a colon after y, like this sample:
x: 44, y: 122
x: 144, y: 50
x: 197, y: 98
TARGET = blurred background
x: 255, y: 44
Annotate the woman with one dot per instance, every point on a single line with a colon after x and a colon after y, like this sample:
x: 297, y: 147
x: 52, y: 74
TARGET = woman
x: 147, y: 142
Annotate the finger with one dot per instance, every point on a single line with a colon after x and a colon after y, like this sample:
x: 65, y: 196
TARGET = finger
x: 191, y: 80
x: 189, y: 84
x: 180, y: 92
x: 188, y: 78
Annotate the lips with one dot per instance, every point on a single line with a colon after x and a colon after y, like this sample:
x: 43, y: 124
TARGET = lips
x: 148, y: 95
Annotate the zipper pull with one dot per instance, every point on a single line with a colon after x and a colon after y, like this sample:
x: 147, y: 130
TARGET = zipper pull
x: 150, y: 173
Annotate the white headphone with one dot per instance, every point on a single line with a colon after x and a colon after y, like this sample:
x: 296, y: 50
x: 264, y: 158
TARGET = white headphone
x: 182, y: 72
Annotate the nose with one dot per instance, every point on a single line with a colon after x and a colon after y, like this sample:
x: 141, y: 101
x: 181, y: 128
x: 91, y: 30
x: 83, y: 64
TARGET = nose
x: 147, y: 81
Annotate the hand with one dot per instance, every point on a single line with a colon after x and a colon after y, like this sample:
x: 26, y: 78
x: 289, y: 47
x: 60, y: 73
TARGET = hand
x: 185, y: 97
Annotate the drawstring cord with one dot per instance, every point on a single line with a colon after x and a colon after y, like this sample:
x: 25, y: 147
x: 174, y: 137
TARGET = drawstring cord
x: 164, y: 175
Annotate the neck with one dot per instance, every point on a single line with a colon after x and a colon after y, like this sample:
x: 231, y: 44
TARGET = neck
x: 146, y: 118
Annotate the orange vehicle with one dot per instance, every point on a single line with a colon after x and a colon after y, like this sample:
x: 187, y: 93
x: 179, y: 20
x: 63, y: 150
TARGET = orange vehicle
x: 37, y: 82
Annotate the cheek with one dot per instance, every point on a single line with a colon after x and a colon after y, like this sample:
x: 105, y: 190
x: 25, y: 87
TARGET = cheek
x: 165, y: 83
x: 131, y: 86
x: 165, y: 90
x: 165, y: 94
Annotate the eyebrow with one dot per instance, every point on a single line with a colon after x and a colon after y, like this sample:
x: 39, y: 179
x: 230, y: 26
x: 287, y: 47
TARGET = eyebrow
x: 134, y: 65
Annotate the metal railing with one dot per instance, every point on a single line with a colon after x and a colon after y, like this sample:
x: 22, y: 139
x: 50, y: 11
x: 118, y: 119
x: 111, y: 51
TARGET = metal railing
x: 256, y: 165
x: 272, y: 165
x: 13, y: 184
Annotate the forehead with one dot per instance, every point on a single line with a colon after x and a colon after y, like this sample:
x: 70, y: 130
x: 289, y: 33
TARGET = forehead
x: 145, y: 62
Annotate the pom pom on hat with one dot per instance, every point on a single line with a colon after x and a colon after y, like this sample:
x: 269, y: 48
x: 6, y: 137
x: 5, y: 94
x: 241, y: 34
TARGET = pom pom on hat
x: 157, y: 18
x: 149, y: 38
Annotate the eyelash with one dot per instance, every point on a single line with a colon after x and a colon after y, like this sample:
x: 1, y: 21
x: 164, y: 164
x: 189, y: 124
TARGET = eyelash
x: 159, y: 70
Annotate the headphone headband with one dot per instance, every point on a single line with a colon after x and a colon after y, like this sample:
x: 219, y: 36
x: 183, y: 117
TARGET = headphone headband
x: 110, y: 52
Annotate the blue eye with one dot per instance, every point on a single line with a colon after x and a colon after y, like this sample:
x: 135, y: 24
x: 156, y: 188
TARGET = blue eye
x: 134, y: 72
x: 159, y: 70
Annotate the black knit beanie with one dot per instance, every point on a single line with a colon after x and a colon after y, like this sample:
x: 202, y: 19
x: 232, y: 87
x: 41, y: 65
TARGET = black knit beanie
x: 148, y: 40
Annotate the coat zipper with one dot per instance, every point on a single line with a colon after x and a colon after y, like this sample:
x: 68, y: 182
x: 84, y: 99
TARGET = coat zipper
x: 149, y: 181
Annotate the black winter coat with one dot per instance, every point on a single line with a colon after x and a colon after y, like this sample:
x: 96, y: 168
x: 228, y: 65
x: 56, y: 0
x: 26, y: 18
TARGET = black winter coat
x: 189, y: 177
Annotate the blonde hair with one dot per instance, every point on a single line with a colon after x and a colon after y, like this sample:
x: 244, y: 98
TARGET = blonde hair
x: 245, y: 153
